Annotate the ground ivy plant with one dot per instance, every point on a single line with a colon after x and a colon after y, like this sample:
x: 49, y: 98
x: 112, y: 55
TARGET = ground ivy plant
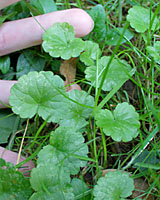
x: 43, y: 94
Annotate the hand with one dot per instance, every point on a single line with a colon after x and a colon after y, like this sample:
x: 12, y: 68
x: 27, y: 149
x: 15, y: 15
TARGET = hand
x: 24, y: 33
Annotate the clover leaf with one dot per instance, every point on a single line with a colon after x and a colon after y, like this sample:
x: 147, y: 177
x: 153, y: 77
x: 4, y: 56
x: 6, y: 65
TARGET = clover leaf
x: 114, y: 186
x: 121, y: 125
x: 65, y: 142
x: 140, y: 19
x: 13, y: 185
x: 50, y: 182
x: 90, y: 53
x: 116, y: 72
x: 77, y: 113
x: 155, y: 51
x: 59, y: 41
x: 39, y: 93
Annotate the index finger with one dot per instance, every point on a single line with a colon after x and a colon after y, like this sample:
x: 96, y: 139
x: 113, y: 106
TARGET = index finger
x: 24, y: 33
x: 5, y: 3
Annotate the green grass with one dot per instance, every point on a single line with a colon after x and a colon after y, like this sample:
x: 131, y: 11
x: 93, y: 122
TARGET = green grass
x: 104, y: 153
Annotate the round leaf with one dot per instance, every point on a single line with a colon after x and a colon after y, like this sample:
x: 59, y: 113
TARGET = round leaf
x: 114, y: 186
x: 43, y: 176
x: 140, y: 19
x: 64, y: 143
x: 90, y: 53
x: 59, y: 41
x: 50, y: 178
x: 80, y: 189
x: 155, y: 51
x: 13, y: 185
x: 39, y: 93
x: 121, y: 125
x: 78, y: 112
x: 65, y: 194
x: 115, y: 75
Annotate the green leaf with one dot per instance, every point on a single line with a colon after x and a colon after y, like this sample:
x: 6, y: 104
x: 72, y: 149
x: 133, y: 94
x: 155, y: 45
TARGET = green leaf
x: 9, y: 75
x: 13, y: 185
x: 155, y: 51
x: 98, y: 15
x: 4, y: 17
x: 50, y: 182
x: 121, y: 125
x: 116, y: 72
x: 140, y: 19
x: 113, y: 35
x: 80, y: 189
x: 60, y: 41
x: 19, y: 9
x: 146, y: 157
x: 91, y: 52
x: 77, y: 114
x: 40, y: 93
x: 56, y: 194
x: 6, y: 125
x: 64, y: 143
x: 114, y: 186
x: 44, y: 6
x: 27, y: 62
x: 5, y: 64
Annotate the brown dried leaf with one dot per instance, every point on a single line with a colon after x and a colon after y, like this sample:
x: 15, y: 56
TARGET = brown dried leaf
x: 68, y: 70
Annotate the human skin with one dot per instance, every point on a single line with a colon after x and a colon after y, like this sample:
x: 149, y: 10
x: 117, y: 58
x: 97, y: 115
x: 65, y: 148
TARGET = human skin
x: 4, y: 3
x: 24, y: 33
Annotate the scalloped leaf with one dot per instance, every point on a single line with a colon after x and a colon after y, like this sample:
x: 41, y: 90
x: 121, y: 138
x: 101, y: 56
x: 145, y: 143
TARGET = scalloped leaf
x: 115, y: 185
x: 139, y: 18
x: 59, y: 41
x: 116, y: 72
x: 155, y: 51
x: 121, y: 125
x: 78, y: 113
x: 50, y: 182
x: 56, y: 194
x: 13, y: 185
x: 65, y: 142
x: 44, y: 94
x: 80, y: 189
x: 90, y: 53
x: 40, y: 93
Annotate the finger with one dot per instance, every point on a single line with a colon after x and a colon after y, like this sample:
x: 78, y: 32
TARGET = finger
x: 21, y: 34
x: 10, y: 156
x: 5, y: 87
x: 5, y: 3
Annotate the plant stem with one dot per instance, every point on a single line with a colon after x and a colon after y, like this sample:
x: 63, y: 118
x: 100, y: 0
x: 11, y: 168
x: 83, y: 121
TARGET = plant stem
x: 20, y: 150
